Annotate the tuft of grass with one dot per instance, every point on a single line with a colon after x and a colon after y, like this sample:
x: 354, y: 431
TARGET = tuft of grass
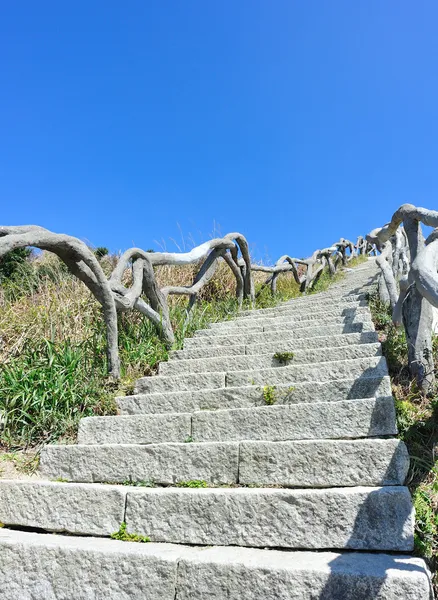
x: 269, y: 394
x: 194, y: 483
x: 123, y: 536
x: 284, y: 358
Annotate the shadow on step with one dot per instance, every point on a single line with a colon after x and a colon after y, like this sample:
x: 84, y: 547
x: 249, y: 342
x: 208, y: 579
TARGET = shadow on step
x: 399, y: 515
x: 367, y: 384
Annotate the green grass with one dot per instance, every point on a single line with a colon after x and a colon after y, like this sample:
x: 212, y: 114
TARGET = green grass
x: 123, y: 536
x: 417, y: 420
x: 194, y: 483
x: 284, y: 358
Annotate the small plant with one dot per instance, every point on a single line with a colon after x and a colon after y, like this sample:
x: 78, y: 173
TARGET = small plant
x: 284, y: 358
x: 194, y: 483
x: 269, y: 395
x: 123, y: 536
x: 189, y: 440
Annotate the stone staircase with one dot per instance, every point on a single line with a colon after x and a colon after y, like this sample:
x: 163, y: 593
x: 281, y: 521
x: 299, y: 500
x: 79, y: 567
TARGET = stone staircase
x: 304, y: 498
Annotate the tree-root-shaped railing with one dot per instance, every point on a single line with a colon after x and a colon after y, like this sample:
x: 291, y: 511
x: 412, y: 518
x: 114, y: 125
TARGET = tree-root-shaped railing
x: 410, y: 261
x: 307, y: 271
x: 143, y: 292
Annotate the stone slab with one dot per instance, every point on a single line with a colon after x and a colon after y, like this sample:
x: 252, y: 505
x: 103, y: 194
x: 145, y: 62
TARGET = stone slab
x: 252, y: 574
x: 360, y: 518
x: 159, y: 463
x: 277, y: 336
x: 326, y: 371
x: 74, y: 508
x: 190, y: 381
x: 305, y: 421
x: 323, y: 463
x: 55, y: 567
x: 299, y: 321
x: 148, y: 429
x: 255, y: 327
x: 243, y: 397
x: 264, y: 361
x: 341, y: 340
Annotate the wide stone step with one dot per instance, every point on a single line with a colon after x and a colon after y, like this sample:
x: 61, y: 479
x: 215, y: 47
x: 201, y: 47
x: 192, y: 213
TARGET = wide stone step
x: 263, y: 361
x: 325, y: 371
x: 55, y: 567
x: 358, y: 518
x: 243, y: 397
x: 300, y: 344
x: 344, y: 419
x: 290, y: 315
x: 304, y: 463
x: 245, y: 338
x: 288, y: 307
x: 255, y: 327
x: 301, y: 319
x: 346, y: 518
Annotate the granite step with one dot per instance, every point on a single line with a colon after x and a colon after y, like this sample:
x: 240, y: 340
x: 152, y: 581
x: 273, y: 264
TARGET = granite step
x: 326, y: 371
x: 255, y: 326
x: 325, y: 420
x: 56, y: 567
x: 263, y: 361
x: 239, y: 338
x: 244, y: 397
x: 292, y: 315
x: 300, y: 320
x: 355, y: 518
x: 302, y: 463
x: 300, y: 346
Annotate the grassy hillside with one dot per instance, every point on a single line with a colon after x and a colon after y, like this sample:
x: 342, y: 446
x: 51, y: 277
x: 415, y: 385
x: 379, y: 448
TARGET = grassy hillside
x: 52, y: 347
x: 417, y: 419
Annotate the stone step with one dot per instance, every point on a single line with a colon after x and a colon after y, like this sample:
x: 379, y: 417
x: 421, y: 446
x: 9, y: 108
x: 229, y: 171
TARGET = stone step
x: 304, y: 463
x: 357, y: 518
x: 293, y: 316
x: 326, y: 297
x: 263, y: 361
x: 344, y: 419
x: 326, y: 371
x: 256, y: 327
x: 301, y: 308
x: 245, y: 338
x: 56, y: 567
x: 243, y: 397
x: 298, y: 345
x: 344, y: 518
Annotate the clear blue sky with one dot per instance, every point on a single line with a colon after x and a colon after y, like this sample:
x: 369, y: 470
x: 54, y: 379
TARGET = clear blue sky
x: 293, y: 122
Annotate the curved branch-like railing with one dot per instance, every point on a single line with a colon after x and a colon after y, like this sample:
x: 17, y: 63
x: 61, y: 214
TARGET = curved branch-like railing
x: 409, y: 282
x: 143, y: 292
x: 306, y: 271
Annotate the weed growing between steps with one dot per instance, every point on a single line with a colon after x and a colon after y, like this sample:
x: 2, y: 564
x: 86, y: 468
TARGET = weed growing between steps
x: 52, y: 345
x: 123, y: 536
x: 271, y: 394
x: 417, y: 420
x: 194, y: 483
x: 284, y: 358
